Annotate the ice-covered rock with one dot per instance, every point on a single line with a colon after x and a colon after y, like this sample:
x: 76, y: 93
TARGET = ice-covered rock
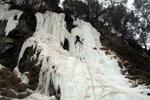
x: 82, y: 72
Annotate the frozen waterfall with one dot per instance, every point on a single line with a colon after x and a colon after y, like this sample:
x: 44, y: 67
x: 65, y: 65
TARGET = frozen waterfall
x: 82, y: 72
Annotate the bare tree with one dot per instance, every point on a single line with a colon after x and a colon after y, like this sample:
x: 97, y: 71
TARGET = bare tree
x: 143, y: 8
x: 34, y: 5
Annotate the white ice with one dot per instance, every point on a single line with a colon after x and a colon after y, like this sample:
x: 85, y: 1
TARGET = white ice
x: 38, y: 96
x: 130, y: 4
x: 1, y: 66
x: 84, y: 72
x: 9, y: 16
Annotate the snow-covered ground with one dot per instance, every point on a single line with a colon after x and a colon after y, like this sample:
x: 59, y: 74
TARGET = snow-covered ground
x: 84, y: 72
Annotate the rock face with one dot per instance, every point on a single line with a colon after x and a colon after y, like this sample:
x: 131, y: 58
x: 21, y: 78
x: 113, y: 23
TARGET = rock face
x: 133, y: 57
x: 11, y: 85
x: 29, y: 65
x: 27, y: 24
x: 67, y: 61
x: 10, y: 46
x: 2, y: 27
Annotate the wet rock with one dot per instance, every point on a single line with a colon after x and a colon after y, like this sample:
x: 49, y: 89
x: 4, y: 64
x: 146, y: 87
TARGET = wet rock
x: 7, y: 46
x: 51, y: 89
x: 69, y: 21
x: 11, y: 85
x: 21, y: 87
x: 10, y: 46
x: 9, y: 53
x: 2, y: 27
x: 27, y: 24
x: 23, y: 95
x: 8, y: 93
x: 27, y: 64
x: 5, y: 98
x: 10, y: 80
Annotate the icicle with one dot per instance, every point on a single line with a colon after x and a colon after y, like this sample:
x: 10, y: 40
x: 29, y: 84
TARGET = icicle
x: 83, y: 72
x: 12, y: 22
x: 12, y: 16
